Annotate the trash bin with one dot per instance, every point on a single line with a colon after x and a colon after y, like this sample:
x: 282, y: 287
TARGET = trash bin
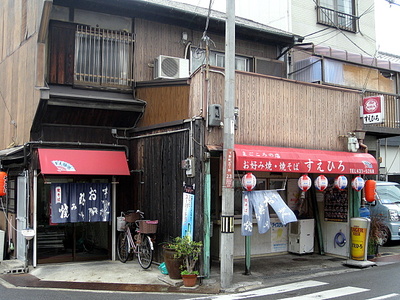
x: 1, y: 245
x: 359, y: 234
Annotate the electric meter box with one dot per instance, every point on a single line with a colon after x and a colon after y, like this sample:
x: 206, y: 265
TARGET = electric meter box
x: 214, y: 115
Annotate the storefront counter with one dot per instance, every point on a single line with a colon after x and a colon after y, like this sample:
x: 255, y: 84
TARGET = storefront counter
x: 274, y: 241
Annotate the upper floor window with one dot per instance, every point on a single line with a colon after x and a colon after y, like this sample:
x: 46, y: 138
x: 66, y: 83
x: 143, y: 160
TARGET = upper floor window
x: 198, y: 58
x: 83, y: 55
x: 102, y: 57
x: 337, y: 13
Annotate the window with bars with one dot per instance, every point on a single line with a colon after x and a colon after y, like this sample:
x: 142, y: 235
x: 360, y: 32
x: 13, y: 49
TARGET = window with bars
x: 337, y: 13
x: 103, y: 57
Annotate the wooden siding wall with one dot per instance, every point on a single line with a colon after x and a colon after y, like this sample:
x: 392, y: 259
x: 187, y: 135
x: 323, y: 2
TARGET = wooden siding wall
x: 154, y: 39
x: 18, y: 50
x: 281, y: 112
x: 159, y: 180
x: 164, y: 104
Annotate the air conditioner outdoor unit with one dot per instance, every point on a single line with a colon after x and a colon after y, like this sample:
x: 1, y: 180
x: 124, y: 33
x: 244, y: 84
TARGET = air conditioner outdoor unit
x: 170, y: 67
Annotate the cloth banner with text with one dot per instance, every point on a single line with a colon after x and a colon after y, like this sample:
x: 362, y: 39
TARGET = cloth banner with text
x: 80, y: 202
x: 258, y: 201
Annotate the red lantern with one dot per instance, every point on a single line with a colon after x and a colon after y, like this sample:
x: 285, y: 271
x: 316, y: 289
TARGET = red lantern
x: 369, y: 189
x: 357, y: 183
x: 249, y: 181
x: 321, y: 183
x: 3, y: 183
x: 304, y: 183
x: 341, y: 182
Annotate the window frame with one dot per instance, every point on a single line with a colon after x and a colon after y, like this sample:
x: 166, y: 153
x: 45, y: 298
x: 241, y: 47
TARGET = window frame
x: 335, y: 17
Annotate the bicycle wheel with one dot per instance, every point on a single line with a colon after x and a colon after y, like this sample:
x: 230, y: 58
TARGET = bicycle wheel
x: 123, y: 247
x: 145, y: 253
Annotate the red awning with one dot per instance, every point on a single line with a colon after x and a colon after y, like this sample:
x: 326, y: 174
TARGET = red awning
x: 83, y: 162
x: 274, y: 159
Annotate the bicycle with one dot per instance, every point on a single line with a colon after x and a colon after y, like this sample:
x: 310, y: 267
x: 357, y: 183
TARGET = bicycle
x: 141, y: 243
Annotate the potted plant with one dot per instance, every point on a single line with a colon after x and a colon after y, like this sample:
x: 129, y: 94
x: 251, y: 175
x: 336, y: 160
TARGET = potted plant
x: 172, y: 262
x: 189, y: 251
x: 376, y: 236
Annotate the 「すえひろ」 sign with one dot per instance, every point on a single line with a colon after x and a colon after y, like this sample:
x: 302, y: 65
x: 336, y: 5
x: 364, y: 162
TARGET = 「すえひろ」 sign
x: 373, y: 110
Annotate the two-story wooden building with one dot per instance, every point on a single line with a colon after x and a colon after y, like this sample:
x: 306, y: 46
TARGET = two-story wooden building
x: 124, y: 100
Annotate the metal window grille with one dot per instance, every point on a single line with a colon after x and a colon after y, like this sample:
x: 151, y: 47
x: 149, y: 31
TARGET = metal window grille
x: 334, y: 18
x: 103, y: 57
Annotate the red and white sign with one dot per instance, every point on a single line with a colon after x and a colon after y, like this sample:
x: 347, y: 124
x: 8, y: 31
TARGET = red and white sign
x: 304, y: 183
x: 357, y: 183
x: 373, y: 110
x: 340, y: 182
x: 249, y: 181
x: 321, y: 183
x: 251, y: 158
x: 229, y: 168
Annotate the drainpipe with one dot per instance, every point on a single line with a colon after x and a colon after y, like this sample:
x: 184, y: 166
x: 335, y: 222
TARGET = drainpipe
x: 34, y: 263
x: 114, y: 217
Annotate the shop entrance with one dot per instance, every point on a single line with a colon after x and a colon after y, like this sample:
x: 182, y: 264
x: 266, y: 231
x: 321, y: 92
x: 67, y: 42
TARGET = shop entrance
x: 68, y: 242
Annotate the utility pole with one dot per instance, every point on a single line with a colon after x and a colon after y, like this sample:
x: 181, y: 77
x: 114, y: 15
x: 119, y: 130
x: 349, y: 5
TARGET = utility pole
x: 227, y: 215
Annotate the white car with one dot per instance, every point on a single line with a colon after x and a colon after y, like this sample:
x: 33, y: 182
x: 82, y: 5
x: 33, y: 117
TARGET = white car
x: 387, y: 209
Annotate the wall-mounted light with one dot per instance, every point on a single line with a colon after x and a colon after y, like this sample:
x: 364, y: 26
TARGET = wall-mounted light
x: 184, y: 37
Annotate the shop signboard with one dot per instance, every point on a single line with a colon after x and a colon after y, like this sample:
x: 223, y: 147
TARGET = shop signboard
x: 373, y: 110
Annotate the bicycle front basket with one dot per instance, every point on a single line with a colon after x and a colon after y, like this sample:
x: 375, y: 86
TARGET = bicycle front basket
x: 148, y: 226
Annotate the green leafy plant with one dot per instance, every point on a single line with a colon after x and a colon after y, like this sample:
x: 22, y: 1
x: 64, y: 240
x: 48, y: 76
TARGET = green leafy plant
x: 188, y: 250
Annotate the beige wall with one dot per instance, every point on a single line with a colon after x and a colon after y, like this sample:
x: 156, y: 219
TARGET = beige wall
x: 281, y: 112
x: 18, y: 62
x: 304, y: 22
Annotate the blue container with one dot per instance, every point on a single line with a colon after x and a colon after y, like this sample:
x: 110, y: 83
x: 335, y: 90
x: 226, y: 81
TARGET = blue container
x: 364, y: 212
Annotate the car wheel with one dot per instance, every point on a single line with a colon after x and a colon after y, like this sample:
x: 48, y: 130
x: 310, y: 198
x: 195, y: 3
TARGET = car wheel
x: 385, y: 236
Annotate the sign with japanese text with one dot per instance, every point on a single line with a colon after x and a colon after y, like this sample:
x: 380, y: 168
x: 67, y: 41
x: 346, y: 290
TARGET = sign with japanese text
x: 373, y: 110
x: 273, y: 159
x: 229, y: 169
x: 80, y: 202
x: 188, y: 211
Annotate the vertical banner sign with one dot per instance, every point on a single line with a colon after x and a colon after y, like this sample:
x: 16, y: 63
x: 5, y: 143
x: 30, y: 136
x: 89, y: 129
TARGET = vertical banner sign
x: 188, y: 211
x: 373, y: 110
x: 229, y: 169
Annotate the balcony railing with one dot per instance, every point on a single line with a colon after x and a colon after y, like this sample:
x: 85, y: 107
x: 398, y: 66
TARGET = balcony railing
x: 103, y: 57
x: 334, y: 18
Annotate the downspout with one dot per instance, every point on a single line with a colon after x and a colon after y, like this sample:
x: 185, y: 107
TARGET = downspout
x: 316, y: 217
x: 114, y: 217
x: 34, y: 258
x: 207, y: 218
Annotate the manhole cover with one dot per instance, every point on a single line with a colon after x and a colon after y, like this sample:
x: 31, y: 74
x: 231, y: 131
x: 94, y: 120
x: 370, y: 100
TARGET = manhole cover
x: 300, y: 259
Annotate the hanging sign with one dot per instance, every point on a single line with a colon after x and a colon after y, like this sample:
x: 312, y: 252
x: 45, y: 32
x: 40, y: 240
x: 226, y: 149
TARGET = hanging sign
x: 304, y: 183
x: 3, y: 183
x: 341, y: 182
x: 357, y: 183
x: 188, y: 211
x: 373, y: 110
x: 249, y: 181
x: 321, y: 183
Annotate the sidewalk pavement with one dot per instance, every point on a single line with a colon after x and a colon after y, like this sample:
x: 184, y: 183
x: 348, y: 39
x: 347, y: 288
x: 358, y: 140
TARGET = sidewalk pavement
x: 129, y: 276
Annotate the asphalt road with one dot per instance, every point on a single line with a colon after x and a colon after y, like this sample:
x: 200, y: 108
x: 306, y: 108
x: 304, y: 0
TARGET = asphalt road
x: 374, y: 283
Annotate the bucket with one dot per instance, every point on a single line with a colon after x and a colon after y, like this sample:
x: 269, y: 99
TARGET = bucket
x: 163, y: 268
x: 121, y: 223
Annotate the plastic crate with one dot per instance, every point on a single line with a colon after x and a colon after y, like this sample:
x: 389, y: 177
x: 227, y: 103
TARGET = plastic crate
x: 132, y: 217
x: 148, y: 226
